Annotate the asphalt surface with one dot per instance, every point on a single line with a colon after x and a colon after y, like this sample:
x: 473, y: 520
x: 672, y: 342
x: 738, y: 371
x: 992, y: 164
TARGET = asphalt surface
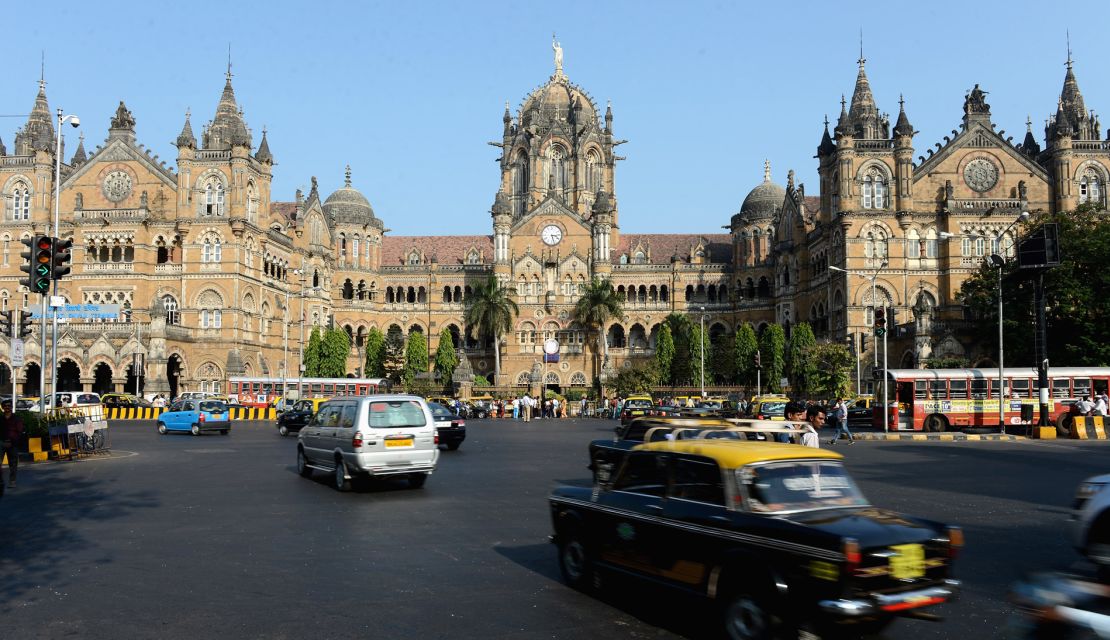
x: 217, y: 536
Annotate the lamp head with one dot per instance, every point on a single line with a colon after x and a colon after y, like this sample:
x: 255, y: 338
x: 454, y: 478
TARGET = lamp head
x: 944, y: 235
x: 1024, y: 216
x: 74, y: 121
x: 997, y: 260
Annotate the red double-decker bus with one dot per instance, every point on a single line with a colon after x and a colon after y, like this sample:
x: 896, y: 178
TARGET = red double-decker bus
x: 943, y: 399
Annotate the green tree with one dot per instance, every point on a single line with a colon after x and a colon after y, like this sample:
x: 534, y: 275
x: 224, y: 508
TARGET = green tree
x: 664, y: 353
x: 636, y: 379
x: 446, y: 358
x: 799, y: 362
x: 491, y: 314
x: 832, y: 369
x: 596, y: 306
x: 724, y: 370
x: 771, y: 346
x: 700, y: 349
x: 743, y: 355
x: 375, y: 354
x: 313, y: 353
x: 946, y: 362
x: 480, y: 380
x: 682, y: 366
x: 1078, y: 309
x: 334, y: 349
x: 416, y: 357
x: 394, y: 362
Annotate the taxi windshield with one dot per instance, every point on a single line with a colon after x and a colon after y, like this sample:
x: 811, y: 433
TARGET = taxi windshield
x: 799, y: 486
x: 637, y: 403
x: 773, y: 408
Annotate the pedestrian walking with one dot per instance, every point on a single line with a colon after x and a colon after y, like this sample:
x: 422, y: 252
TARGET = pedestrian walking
x: 840, y: 412
x: 1100, y: 405
x: 11, y: 433
x: 793, y: 412
x: 526, y: 407
x: 815, y: 416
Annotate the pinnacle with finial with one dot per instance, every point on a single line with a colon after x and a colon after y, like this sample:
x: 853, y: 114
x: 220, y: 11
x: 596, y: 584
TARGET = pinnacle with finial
x: 1028, y: 123
x: 861, y: 58
x: 826, y: 121
x: 766, y: 170
x: 347, y: 177
x: 1067, y: 35
x: 229, y: 62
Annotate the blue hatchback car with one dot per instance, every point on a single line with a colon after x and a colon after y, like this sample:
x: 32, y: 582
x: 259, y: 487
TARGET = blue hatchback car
x: 196, y: 416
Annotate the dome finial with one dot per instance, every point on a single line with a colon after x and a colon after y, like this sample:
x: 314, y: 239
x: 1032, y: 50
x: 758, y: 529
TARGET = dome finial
x: 347, y: 177
x: 766, y: 170
x: 558, y: 48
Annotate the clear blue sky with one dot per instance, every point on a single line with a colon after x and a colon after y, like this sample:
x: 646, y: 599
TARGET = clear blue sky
x: 409, y: 93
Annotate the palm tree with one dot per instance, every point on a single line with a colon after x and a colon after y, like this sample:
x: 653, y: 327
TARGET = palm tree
x: 491, y: 313
x: 595, y: 307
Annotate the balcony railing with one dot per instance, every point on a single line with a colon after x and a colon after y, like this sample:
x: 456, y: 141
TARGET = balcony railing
x: 109, y: 267
x: 958, y: 205
x: 168, y: 268
x: 17, y: 161
x: 874, y: 145
x: 117, y: 215
x: 213, y: 154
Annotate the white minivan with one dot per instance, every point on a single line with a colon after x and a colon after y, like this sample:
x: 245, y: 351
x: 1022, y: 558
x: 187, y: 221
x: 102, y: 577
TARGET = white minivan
x: 360, y: 437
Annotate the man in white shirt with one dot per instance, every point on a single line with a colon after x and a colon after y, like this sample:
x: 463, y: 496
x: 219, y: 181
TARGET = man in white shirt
x: 815, y: 415
x: 1084, y: 406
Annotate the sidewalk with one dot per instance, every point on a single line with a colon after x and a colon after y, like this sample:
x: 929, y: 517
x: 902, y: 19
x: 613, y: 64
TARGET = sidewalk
x: 941, y: 437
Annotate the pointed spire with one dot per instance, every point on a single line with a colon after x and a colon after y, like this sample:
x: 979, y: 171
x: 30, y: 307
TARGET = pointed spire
x: 1063, y: 127
x: 508, y: 117
x: 3, y: 149
x: 863, y: 114
x: 186, y: 138
x: 79, y: 156
x: 263, y: 154
x: 826, y: 147
x: 1071, y: 99
x: 903, y: 126
x: 38, y: 132
x: 227, y: 129
x: 608, y: 116
x: 1029, y: 145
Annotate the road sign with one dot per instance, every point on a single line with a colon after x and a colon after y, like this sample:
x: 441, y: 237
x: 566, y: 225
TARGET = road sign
x: 82, y: 311
x: 17, y: 352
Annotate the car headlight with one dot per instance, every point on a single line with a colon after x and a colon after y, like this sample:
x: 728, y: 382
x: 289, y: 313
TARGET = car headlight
x: 1088, y: 489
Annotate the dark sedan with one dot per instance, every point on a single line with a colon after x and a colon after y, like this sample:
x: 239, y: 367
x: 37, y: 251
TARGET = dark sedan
x: 778, y: 535
x: 450, y: 427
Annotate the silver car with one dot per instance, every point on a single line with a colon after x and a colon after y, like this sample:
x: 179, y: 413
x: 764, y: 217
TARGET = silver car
x: 380, y: 435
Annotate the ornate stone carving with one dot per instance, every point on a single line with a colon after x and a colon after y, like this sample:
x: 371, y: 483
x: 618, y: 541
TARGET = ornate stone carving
x: 117, y: 185
x: 981, y: 174
x: 123, y: 118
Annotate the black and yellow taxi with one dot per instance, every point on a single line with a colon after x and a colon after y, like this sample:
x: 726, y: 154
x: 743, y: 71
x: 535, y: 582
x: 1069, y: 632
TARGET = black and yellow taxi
x: 635, y: 406
x: 777, y: 534
x: 768, y: 407
x: 298, y: 415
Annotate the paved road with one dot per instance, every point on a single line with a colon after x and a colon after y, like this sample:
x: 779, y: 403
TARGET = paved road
x: 185, y: 537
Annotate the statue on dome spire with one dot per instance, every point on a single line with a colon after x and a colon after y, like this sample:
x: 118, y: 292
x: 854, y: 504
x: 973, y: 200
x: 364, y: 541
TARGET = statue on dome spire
x: 766, y: 170
x: 558, y: 56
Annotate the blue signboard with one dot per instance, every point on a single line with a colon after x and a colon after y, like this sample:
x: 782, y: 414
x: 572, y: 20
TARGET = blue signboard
x: 81, y: 312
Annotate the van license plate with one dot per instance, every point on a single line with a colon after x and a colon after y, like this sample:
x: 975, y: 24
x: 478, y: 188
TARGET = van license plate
x: 909, y: 562
x: 399, y: 442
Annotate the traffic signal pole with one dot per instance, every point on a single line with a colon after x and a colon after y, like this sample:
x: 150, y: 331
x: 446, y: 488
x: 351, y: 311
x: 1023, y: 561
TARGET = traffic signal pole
x: 42, y: 369
x: 886, y: 382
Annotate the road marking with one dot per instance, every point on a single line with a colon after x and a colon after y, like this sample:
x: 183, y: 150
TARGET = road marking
x: 209, y: 450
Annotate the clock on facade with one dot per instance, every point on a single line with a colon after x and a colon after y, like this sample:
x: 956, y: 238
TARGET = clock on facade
x: 551, y: 235
x: 980, y: 174
x: 551, y: 346
x: 117, y: 185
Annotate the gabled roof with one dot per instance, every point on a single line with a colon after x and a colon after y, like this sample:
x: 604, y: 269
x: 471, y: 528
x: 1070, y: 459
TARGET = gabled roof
x: 445, y: 249
x: 980, y: 136
x: 663, y: 246
x: 120, y: 149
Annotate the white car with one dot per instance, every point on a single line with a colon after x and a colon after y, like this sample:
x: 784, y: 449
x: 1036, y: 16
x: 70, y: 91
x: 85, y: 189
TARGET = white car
x: 1090, y: 519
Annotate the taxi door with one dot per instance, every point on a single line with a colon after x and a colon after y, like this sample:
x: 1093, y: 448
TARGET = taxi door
x: 631, y: 530
x: 696, y: 497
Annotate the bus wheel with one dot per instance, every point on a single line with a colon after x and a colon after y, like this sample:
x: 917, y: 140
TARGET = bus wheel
x: 936, y: 423
x: 1063, y: 425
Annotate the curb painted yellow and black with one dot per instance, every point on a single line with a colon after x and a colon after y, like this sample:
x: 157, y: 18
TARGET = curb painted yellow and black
x: 152, y: 413
x: 1087, y: 428
x: 939, y: 437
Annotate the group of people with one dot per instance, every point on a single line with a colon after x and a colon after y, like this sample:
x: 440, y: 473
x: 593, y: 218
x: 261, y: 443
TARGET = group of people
x: 814, y: 417
x: 525, y: 408
x: 1098, y: 407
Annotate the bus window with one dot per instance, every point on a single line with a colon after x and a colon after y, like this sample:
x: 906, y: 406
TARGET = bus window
x: 317, y: 387
x: 919, y: 387
x: 938, y: 389
x: 329, y: 388
x: 979, y: 388
x: 905, y: 393
x: 959, y: 389
x: 1019, y: 389
x: 1082, y: 387
x: 256, y: 387
x: 1061, y: 388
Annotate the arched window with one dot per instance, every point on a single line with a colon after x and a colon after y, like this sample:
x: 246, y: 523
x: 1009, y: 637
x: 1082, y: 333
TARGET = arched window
x: 913, y: 244
x: 173, y: 315
x: 980, y: 246
x: 20, y: 201
x: 1091, y: 187
x: 7, y: 249
x: 639, y: 258
x: 593, y: 172
x: 578, y: 379
x: 874, y: 189
x: 354, y: 251
x: 965, y: 246
x: 472, y: 257
x: 523, y: 379
x: 414, y: 257
x: 931, y: 248
x: 252, y: 204
x: 520, y: 183
x: 557, y: 168
x: 214, y: 197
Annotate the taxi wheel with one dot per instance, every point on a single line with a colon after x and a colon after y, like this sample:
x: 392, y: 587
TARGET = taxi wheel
x: 283, y: 430
x: 747, y: 616
x: 302, y: 464
x: 195, y: 430
x: 417, y: 480
x: 162, y: 428
x: 341, y: 481
x: 575, y: 563
x: 223, y: 432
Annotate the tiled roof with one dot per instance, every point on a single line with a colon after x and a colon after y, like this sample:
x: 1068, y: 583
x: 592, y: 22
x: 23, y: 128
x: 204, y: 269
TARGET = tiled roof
x: 661, y: 246
x: 445, y: 249
x: 284, y: 209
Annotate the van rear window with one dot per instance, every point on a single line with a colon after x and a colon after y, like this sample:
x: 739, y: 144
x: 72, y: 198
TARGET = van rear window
x: 213, y: 406
x: 397, y: 414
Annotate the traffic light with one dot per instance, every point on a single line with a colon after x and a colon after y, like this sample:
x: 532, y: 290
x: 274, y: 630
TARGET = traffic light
x: 5, y: 323
x: 24, y: 324
x: 880, y: 321
x: 851, y: 343
x: 758, y: 365
x: 863, y: 342
x: 60, y: 257
x: 38, y: 257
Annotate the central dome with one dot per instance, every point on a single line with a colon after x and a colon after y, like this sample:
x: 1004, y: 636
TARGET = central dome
x: 348, y: 205
x: 555, y: 101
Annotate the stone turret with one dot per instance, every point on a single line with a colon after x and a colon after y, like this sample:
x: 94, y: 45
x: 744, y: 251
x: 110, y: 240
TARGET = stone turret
x: 37, y: 133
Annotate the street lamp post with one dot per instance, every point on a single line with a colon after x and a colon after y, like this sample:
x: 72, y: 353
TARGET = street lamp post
x: 996, y: 259
x: 701, y: 340
x: 300, y: 368
x: 75, y: 122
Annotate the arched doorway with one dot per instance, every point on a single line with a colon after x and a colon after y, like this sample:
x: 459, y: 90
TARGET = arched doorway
x: 5, y: 377
x: 173, y: 373
x: 31, y: 379
x: 102, y: 379
x: 69, y: 376
x: 132, y: 383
